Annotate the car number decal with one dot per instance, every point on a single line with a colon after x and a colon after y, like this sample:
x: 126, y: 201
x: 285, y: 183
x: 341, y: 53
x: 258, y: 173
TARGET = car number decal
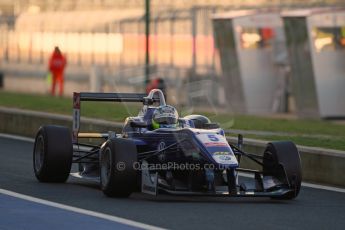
x: 212, y: 140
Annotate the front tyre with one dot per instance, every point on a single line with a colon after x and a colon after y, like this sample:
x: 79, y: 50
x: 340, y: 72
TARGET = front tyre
x: 52, y: 154
x: 282, y: 160
x: 117, y: 172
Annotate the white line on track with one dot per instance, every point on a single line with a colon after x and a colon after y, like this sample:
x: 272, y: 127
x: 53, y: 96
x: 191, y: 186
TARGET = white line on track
x: 304, y: 184
x: 19, y: 138
x: 79, y: 210
x: 323, y: 187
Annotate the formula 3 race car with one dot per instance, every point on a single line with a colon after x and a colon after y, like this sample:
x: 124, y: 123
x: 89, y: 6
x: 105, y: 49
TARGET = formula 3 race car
x: 191, y: 158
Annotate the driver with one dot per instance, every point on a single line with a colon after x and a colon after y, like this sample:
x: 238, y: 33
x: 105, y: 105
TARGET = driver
x: 164, y: 116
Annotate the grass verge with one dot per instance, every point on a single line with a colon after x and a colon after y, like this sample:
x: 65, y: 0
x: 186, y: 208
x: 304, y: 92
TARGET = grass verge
x: 316, y: 133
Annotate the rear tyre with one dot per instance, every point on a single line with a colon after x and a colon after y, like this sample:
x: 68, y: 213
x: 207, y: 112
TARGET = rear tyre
x: 117, y: 172
x: 282, y: 160
x: 52, y: 154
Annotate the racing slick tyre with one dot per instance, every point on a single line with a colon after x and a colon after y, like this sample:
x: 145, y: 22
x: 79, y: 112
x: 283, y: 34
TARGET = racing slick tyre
x: 282, y: 160
x: 52, y: 154
x: 118, y: 177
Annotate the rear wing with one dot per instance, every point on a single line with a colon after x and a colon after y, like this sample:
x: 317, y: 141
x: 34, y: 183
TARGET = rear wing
x: 110, y: 97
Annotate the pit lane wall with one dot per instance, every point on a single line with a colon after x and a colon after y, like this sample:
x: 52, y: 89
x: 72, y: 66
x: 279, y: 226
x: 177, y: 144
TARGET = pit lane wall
x: 322, y: 166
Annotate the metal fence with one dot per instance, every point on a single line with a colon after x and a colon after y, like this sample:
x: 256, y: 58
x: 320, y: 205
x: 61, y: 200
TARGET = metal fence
x: 179, y: 39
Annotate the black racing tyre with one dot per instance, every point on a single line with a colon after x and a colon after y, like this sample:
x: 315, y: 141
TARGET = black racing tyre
x: 118, y: 177
x: 52, y: 154
x: 282, y: 160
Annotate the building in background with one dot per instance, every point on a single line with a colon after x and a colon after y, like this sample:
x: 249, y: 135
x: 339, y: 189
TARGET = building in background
x: 316, y: 45
x: 253, y: 57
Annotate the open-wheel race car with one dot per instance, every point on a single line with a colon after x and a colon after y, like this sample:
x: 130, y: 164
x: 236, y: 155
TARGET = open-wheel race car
x: 158, y: 152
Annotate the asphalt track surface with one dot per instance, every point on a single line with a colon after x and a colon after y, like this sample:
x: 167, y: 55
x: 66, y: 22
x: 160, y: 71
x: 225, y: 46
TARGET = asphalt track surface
x: 313, y: 208
x: 24, y: 214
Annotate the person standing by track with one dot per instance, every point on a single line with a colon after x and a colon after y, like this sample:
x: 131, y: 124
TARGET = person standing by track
x: 57, y: 64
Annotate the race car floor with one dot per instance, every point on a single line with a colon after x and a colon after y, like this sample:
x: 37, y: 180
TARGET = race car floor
x: 313, y: 208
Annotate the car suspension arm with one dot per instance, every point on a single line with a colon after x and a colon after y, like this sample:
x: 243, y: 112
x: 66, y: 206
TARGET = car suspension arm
x: 86, y: 156
x: 251, y: 156
x: 157, y: 152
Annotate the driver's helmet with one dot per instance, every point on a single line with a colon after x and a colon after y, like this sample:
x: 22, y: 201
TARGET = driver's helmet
x: 164, y: 116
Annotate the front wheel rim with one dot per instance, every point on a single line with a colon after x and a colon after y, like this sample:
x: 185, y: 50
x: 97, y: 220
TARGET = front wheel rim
x: 105, y: 167
x: 39, y: 153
